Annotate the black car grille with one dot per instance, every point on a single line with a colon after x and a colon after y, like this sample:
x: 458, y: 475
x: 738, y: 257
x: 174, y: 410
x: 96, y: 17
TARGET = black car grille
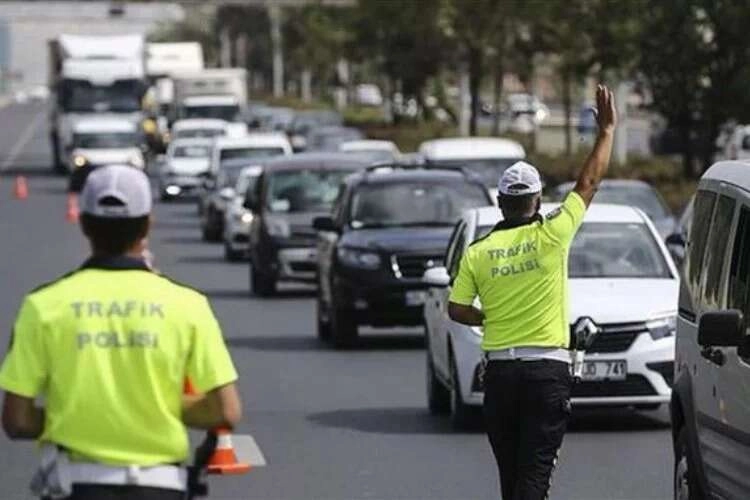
x: 414, y: 265
x: 616, y: 337
x: 303, y: 267
x: 633, y: 385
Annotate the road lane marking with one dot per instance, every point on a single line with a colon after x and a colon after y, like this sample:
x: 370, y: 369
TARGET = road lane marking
x: 23, y: 140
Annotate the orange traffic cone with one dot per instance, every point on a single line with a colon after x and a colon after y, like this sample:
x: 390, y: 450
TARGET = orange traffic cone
x: 21, y: 189
x: 71, y: 213
x: 224, y: 460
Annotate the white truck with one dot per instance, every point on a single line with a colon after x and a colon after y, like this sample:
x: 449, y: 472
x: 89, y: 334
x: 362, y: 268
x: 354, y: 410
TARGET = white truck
x: 93, y: 75
x: 164, y: 62
x: 211, y: 93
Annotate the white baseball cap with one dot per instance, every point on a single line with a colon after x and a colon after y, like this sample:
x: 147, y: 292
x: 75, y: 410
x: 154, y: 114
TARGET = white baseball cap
x: 519, y: 179
x: 116, y: 191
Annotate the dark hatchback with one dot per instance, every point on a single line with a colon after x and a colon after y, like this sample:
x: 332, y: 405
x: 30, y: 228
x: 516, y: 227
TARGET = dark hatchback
x: 388, y: 227
x: 290, y: 193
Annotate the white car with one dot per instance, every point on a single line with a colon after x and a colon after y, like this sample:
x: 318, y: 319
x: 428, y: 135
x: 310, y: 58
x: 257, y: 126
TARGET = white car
x: 378, y: 151
x: 106, y: 140
x: 253, y: 146
x: 487, y: 157
x: 198, y: 127
x: 621, y: 278
x: 237, y: 218
x: 185, y: 167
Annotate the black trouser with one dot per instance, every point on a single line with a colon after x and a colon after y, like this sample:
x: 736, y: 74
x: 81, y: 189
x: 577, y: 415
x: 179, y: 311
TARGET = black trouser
x: 526, y: 411
x: 108, y: 492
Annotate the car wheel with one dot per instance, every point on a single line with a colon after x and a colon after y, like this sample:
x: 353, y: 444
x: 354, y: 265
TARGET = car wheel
x: 263, y: 284
x: 230, y: 254
x: 685, y: 481
x: 438, y: 396
x: 462, y: 415
x: 323, y: 320
x: 211, y: 231
x: 343, y: 328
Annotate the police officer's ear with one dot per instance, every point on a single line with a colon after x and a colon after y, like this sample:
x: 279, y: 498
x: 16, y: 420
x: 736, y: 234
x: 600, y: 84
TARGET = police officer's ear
x: 538, y: 203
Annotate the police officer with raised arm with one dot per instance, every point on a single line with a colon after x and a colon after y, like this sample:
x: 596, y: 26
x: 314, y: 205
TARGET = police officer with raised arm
x: 519, y: 272
x: 108, y: 347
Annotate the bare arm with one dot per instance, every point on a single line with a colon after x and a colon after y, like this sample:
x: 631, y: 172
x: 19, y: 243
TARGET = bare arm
x: 597, y: 163
x: 22, y: 419
x: 466, y: 315
x: 220, y: 407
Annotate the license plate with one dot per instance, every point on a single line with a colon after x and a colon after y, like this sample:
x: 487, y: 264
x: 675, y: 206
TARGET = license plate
x: 605, y: 370
x: 416, y: 297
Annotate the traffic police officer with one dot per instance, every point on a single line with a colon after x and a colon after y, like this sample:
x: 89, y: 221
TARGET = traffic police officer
x: 108, y: 346
x: 519, y: 272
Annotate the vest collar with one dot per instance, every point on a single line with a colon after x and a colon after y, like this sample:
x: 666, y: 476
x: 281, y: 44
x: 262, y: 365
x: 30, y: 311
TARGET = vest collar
x: 505, y: 224
x: 115, y: 263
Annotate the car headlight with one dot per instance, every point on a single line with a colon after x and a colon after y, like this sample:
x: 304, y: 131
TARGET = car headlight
x: 243, y: 216
x: 79, y: 161
x: 278, y: 228
x: 358, y: 258
x: 662, y: 327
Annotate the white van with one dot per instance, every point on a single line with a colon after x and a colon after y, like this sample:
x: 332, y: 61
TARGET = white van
x: 105, y: 140
x: 488, y: 157
x: 710, y: 404
x: 255, y: 146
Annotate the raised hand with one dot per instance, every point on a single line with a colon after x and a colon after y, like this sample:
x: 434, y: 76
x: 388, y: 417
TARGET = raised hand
x: 606, y: 113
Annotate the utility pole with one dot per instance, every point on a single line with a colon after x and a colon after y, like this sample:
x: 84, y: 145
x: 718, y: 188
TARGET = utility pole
x: 621, y: 131
x: 274, y: 14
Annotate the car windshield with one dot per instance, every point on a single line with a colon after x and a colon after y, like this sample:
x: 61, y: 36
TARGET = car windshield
x: 249, y: 153
x: 488, y: 170
x: 304, y: 190
x: 641, y: 197
x: 106, y: 140
x: 228, y: 113
x: 192, y: 152
x: 199, y: 133
x: 229, y: 173
x: 413, y: 203
x: 82, y: 97
x: 612, y: 250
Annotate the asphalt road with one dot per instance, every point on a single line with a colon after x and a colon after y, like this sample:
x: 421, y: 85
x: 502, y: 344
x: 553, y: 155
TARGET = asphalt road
x: 332, y: 425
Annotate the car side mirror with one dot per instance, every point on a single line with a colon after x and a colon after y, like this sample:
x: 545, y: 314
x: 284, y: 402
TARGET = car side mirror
x: 227, y: 193
x: 161, y: 159
x: 437, y: 276
x: 326, y: 224
x: 722, y: 329
x: 675, y: 239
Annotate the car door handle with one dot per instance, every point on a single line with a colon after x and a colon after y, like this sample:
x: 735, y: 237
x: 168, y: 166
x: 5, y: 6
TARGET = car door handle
x: 715, y: 356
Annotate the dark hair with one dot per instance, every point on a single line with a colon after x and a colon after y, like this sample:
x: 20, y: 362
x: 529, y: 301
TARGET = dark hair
x: 114, y: 236
x: 519, y: 205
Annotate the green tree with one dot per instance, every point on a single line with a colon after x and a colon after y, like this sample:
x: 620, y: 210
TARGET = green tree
x: 692, y: 60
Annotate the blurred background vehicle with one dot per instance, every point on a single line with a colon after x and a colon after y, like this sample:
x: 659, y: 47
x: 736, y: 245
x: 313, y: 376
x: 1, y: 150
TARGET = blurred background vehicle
x: 377, y: 150
x: 198, y: 127
x: 387, y: 228
x: 368, y: 94
x: 228, y: 157
x: 329, y: 138
x: 486, y: 157
x: 237, y: 218
x: 629, y: 192
x: 269, y: 118
x: 290, y: 194
x: 105, y: 139
x: 185, y: 167
x: 621, y: 277
x: 306, y: 121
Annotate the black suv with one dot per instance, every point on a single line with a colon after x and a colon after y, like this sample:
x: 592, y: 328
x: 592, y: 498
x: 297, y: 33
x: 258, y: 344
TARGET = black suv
x: 291, y: 192
x: 389, y: 225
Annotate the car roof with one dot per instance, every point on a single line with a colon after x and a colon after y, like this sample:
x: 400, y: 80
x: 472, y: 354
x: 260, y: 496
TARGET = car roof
x: 210, y: 100
x: 604, y: 212
x: 474, y: 148
x: 256, y: 139
x: 386, y: 174
x: 732, y: 172
x: 104, y: 125
x: 367, y: 145
x: 331, y: 161
x: 335, y: 130
x: 190, y: 123
x: 567, y: 186
x: 192, y: 141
